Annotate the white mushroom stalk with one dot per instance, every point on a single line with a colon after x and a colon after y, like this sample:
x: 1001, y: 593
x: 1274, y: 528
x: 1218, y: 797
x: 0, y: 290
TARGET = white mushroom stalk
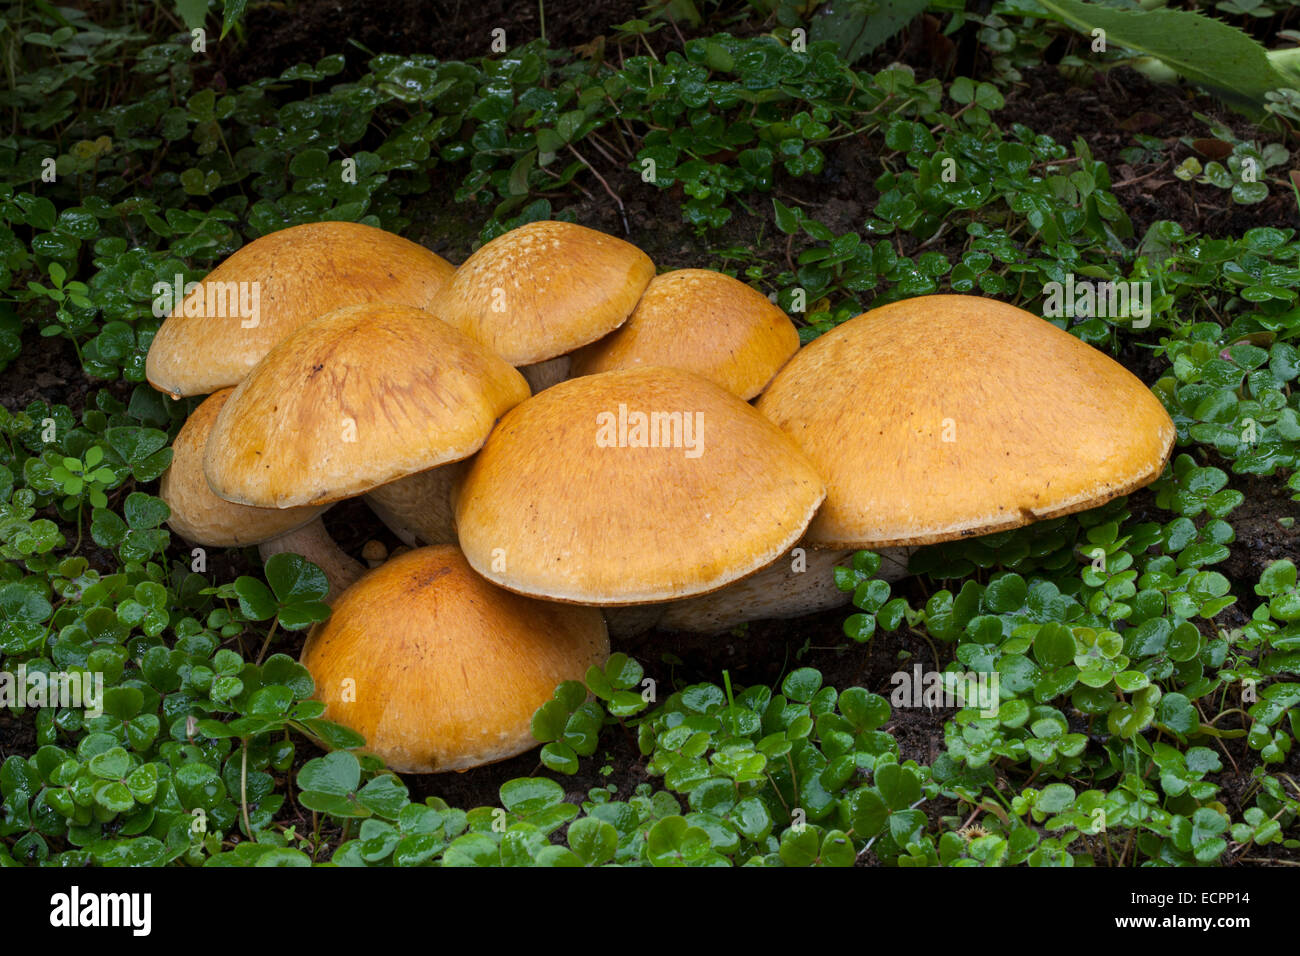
x: 418, y: 508
x: 798, y: 583
x: 542, y: 375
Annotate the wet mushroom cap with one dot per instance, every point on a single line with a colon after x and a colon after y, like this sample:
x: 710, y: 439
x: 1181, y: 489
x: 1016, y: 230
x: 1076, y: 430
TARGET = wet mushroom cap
x: 545, y: 289
x: 632, y: 486
x: 945, y: 416
x: 442, y: 670
x: 199, y: 515
x: 357, y: 398
x: 704, y: 321
x: 298, y: 274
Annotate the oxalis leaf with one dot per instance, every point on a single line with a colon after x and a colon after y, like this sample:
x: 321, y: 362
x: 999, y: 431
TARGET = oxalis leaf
x: 255, y: 598
x: 294, y: 579
x: 1205, y: 51
x: 299, y: 586
x: 336, y: 773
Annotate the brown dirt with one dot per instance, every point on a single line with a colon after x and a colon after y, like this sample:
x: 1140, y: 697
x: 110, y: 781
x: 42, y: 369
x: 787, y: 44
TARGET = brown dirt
x: 1110, y: 108
x: 447, y: 29
x: 1261, y: 539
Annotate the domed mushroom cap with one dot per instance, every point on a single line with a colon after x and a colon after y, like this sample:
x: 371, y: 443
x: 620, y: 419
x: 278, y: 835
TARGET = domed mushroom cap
x: 273, y: 285
x: 704, y: 321
x: 362, y: 396
x: 948, y: 415
x: 631, y: 486
x: 441, y: 670
x: 545, y: 289
x: 200, y: 516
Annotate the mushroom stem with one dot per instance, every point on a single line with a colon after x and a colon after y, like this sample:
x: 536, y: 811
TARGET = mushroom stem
x: 418, y: 508
x: 314, y: 543
x: 542, y: 375
x: 893, y: 563
x: 791, y: 586
x: 405, y: 533
x: 633, y: 620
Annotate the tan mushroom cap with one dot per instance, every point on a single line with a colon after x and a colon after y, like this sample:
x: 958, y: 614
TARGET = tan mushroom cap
x: 570, y: 500
x: 299, y: 273
x: 704, y: 321
x: 200, y: 516
x: 545, y: 289
x: 445, y: 669
x: 948, y: 415
x: 359, y: 397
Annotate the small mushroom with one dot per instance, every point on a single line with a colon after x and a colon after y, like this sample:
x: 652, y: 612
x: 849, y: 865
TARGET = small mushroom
x: 703, y: 321
x: 536, y: 293
x: 201, y: 517
x: 374, y: 552
x: 441, y: 670
x: 273, y: 285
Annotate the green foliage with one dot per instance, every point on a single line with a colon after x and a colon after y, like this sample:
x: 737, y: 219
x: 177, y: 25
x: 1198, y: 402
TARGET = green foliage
x: 767, y: 780
x: 1245, y: 170
x: 295, y: 597
x: 569, y: 726
x: 872, y: 596
x: 184, y: 736
x: 1204, y: 50
x: 1235, y: 396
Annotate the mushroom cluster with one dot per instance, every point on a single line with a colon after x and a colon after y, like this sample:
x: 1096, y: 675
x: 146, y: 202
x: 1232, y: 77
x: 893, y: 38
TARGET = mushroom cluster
x: 571, y: 446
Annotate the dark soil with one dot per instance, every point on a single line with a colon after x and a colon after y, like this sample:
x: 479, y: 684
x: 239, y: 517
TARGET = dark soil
x: 1261, y: 538
x: 1111, y: 108
x: 46, y: 370
x: 447, y: 29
